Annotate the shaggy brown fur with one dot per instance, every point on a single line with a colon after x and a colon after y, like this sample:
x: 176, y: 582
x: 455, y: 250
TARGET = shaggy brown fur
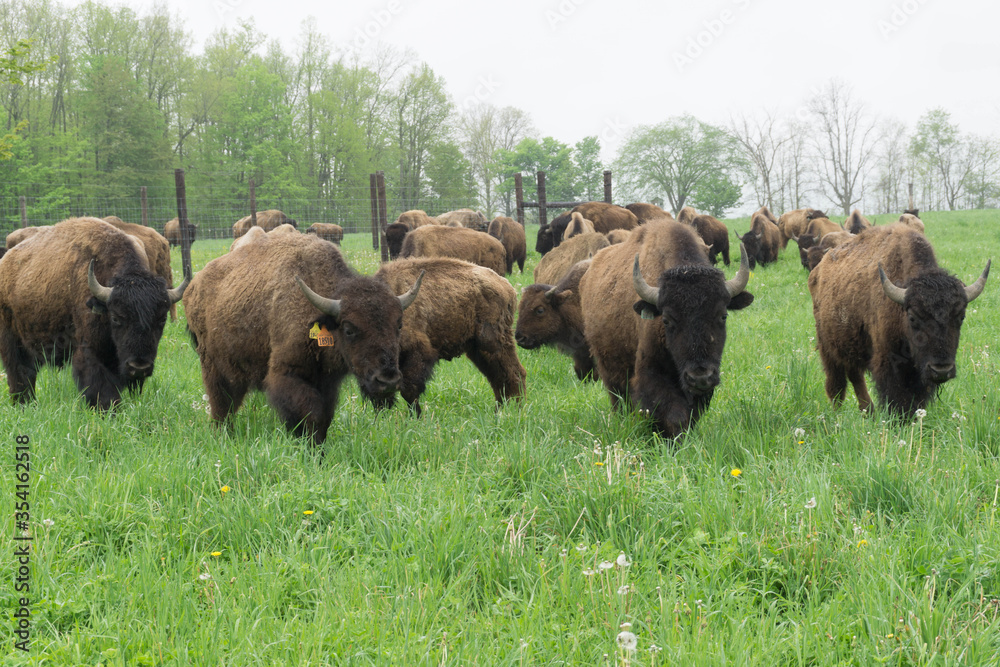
x: 464, y: 217
x: 511, y: 234
x: 283, y: 229
x: 829, y: 241
x: 792, y: 224
x: 416, y: 218
x: 394, y: 236
x: 172, y: 231
x: 715, y: 234
x: 606, y: 217
x: 327, y: 231
x: 457, y: 242
x: 856, y: 223
x: 672, y: 372
x: 461, y: 309
x: 766, y: 212
x: 911, y: 221
x: 267, y: 220
x: 555, y: 264
x: 763, y: 241
x: 813, y: 234
x: 686, y: 215
x: 910, y: 348
x: 250, y: 323
x: 577, y: 225
x: 50, y: 314
x: 23, y: 234
x: 157, y: 251
x: 645, y: 212
x: 618, y: 235
x: 551, y: 315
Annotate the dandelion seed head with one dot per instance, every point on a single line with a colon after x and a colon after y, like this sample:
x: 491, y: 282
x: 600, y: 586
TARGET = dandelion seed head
x: 921, y: 413
x: 622, y: 560
x: 800, y: 433
x: 204, y: 576
x: 811, y: 504
x: 605, y: 565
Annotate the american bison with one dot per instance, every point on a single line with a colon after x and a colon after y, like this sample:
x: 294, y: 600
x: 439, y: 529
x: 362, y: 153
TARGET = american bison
x: 172, y: 231
x: 457, y: 242
x: 815, y: 230
x: 416, y: 218
x: 157, y: 251
x: 882, y: 304
x: 686, y: 215
x: 267, y: 220
x: 792, y: 224
x: 762, y: 242
x: 618, y: 235
x: 461, y: 309
x: 766, y: 212
x: 327, y: 231
x: 645, y: 212
x: 554, y: 265
x: 551, y: 315
x: 463, y: 217
x: 23, y: 234
x: 546, y: 238
x: 664, y: 350
x: 251, y: 312
x: 715, y: 234
x: 511, y: 234
x: 856, y: 223
x: 82, y: 293
x: 829, y: 241
x: 603, y: 216
x: 911, y: 221
x: 395, y: 234
x: 578, y: 225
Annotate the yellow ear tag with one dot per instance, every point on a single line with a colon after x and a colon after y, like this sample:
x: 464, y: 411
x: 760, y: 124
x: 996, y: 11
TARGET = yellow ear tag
x: 314, y: 332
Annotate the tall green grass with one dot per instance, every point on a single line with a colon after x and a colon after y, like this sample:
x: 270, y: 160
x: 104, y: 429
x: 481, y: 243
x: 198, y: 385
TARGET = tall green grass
x: 476, y: 536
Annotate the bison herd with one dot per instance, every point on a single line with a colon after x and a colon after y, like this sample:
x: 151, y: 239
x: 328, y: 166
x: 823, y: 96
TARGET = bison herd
x: 632, y: 294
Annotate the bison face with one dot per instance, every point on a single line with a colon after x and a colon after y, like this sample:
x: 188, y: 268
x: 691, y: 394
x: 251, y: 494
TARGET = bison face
x: 544, y: 243
x: 751, y: 242
x: 538, y: 319
x: 806, y: 241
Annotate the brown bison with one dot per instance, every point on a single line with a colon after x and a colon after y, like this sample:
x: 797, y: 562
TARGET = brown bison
x: 23, y: 234
x: 792, y: 224
x: 461, y: 309
x: 457, y: 242
x: 511, y: 234
x: 551, y: 315
x: 267, y: 220
x: 856, y: 223
x: 251, y: 312
x: 577, y: 225
x: 762, y: 242
x: 911, y: 221
x: 395, y: 234
x: 715, y: 234
x: 602, y: 215
x: 829, y: 241
x: 545, y: 240
x: 686, y: 215
x: 327, y: 231
x: 554, y: 265
x: 157, y: 251
x: 416, y: 218
x: 664, y: 350
x: 618, y: 235
x: 814, y: 232
x: 463, y: 217
x: 766, y: 212
x: 82, y: 293
x: 882, y: 304
x: 645, y: 212
x: 172, y: 231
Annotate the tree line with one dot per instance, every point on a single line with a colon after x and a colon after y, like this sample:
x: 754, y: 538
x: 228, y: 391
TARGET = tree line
x: 102, y: 100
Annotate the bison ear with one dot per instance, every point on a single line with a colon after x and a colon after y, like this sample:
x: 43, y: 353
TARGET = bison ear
x: 97, y: 307
x: 740, y: 301
x: 645, y: 310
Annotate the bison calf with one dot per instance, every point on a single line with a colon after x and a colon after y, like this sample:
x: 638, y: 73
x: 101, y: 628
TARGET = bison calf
x: 462, y: 309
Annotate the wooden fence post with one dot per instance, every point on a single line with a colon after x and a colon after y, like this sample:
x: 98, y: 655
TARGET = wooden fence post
x: 253, y: 204
x: 24, y: 211
x: 519, y: 197
x: 607, y: 186
x: 182, y: 218
x: 543, y: 216
x: 383, y: 215
x: 374, y: 199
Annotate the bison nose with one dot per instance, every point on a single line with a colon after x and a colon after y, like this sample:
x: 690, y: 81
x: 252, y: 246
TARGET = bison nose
x: 701, y: 379
x: 942, y: 372
x: 388, y: 379
x: 138, y: 365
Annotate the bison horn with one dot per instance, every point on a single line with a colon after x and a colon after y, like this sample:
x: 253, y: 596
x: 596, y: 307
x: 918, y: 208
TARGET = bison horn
x: 739, y: 282
x: 326, y: 306
x: 648, y: 294
x: 99, y: 291
x: 975, y: 289
x: 176, y: 293
x: 893, y: 291
x: 406, y: 299
x: 549, y: 294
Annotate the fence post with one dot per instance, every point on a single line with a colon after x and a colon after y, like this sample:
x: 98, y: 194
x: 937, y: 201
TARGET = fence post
x: 253, y: 204
x: 543, y: 216
x: 607, y: 186
x: 383, y: 219
x: 145, y: 210
x: 24, y: 211
x: 374, y: 199
x: 911, y: 197
x: 182, y: 219
x: 519, y: 197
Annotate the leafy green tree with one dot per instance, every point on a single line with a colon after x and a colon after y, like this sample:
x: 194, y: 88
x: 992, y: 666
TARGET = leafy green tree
x: 940, y: 150
x: 716, y: 194
x: 419, y: 112
x: 549, y: 155
x: 15, y: 63
x: 587, y: 157
x: 449, y: 179
x: 677, y: 157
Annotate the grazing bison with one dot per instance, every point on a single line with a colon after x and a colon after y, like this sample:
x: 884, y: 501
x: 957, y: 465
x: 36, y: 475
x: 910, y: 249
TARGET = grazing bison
x: 829, y: 241
x: 668, y: 359
x: 250, y: 314
x: 715, y: 234
x: 856, y: 223
x: 511, y: 234
x: 606, y: 217
x: 172, y: 231
x: 545, y: 241
x: 457, y: 242
x: 463, y: 217
x: 882, y: 304
x: 645, y: 212
x: 762, y: 242
x: 578, y: 225
x: 618, y: 235
x: 792, y: 224
x: 554, y: 265
x: 267, y: 220
x: 157, y: 251
x: 461, y: 309
x: 908, y: 219
x: 23, y: 234
x: 327, y: 231
x: 551, y: 315
x: 686, y: 215
x: 83, y: 293
x: 416, y: 218
x: 394, y: 236
x: 815, y: 231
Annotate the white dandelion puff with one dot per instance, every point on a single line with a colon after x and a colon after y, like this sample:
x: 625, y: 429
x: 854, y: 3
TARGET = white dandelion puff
x: 921, y: 413
x: 605, y: 565
x: 48, y: 522
x: 627, y: 641
x: 800, y: 433
x: 622, y: 560
x: 204, y: 576
x: 811, y: 504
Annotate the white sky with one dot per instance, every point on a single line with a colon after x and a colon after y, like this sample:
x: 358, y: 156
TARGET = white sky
x: 585, y: 67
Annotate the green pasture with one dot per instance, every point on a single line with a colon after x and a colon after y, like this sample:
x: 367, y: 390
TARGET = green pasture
x: 780, y: 531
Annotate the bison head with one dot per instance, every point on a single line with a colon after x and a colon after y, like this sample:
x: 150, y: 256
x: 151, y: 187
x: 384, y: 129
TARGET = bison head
x: 538, y: 319
x: 693, y: 302
x: 395, y: 234
x: 136, y: 305
x: 366, y: 322
x: 750, y: 242
x: 934, y: 308
x: 806, y: 241
x: 544, y: 242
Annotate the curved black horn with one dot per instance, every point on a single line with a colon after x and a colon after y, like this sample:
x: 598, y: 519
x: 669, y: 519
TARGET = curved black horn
x: 324, y: 305
x: 893, y: 291
x: 100, y: 292
x: 406, y: 299
x: 647, y: 293
x: 975, y: 289
x: 176, y: 293
x: 739, y: 282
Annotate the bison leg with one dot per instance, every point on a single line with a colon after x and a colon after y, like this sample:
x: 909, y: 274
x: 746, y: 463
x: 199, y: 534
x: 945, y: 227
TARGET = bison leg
x: 417, y: 359
x: 21, y: 368
x: 97, y: 383
x: 583, y: 364
x: 305, y: 408
x: 857, y: 378
x: 173, y: 312
x: 496, y: 358
x: 224, y: 396
x: 520, y: 264
x: 656, y: 393
x: 836, y: 381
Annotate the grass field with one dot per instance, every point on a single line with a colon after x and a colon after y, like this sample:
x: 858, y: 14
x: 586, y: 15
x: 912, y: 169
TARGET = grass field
x: 778, y: 532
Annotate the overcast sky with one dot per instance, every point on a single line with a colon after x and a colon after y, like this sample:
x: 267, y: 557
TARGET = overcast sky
x: 600, y: 67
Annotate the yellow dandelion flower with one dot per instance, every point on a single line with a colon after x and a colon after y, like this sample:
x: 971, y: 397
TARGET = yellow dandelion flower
x: 735, y: 472
x: 862, y: 543
x: 216, y: 553
x: 598, y: 463
x: 308, y: 512
x: 225, y: 489
x: 890, y: 636
x: 802, y: 442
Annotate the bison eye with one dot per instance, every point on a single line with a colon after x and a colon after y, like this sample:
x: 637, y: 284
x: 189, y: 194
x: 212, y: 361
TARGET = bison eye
x: 350, y: 330
x: 539, y: 310
x: 116, y: 321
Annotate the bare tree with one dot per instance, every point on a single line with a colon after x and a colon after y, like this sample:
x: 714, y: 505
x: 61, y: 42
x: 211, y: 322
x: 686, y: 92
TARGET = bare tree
x: 761, y: 141
x: 893, y: 168
x: 845, y: 141
x: 792, y: 170
x: 484, y: 130
x: 983, y: 188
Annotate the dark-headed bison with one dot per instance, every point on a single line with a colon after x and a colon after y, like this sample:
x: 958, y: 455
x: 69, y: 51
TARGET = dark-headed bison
x: 327, y: 231
x: 267, y: 220
x: 172, y: 231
